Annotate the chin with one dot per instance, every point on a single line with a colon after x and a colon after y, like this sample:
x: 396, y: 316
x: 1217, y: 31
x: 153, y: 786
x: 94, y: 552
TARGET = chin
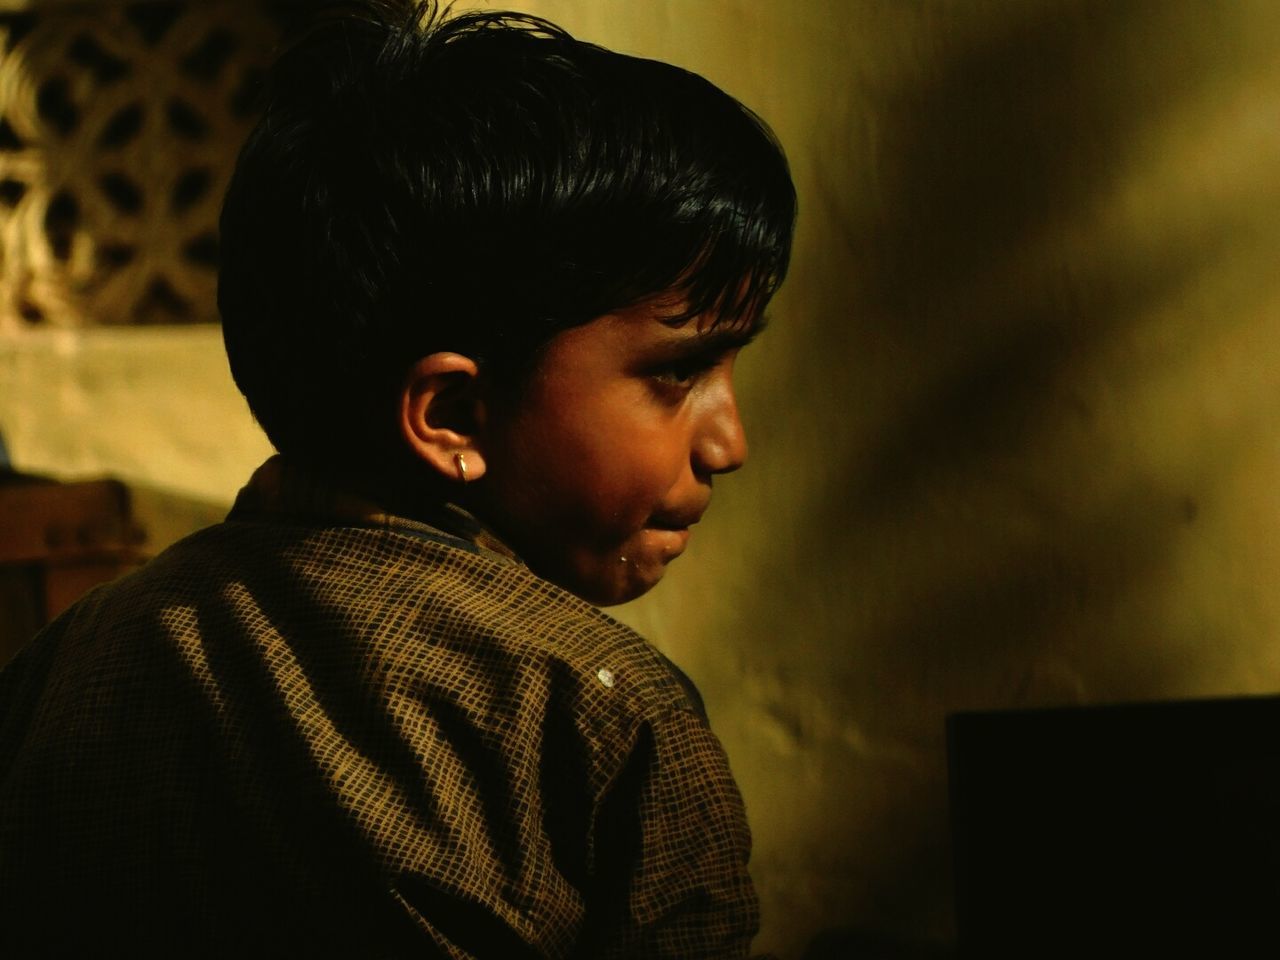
x: 636, y: 585
x: 630, y: 584
x: 605, y: 584
x: 609, y: 595
x: 614, y: 600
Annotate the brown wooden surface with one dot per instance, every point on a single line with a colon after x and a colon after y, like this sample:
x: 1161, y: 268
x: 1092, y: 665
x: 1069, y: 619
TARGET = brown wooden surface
x: 42, y: 521
x: 57, y: 540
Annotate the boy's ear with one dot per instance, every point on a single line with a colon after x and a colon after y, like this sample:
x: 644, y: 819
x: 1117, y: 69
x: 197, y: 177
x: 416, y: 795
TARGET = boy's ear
x: 440, y: 413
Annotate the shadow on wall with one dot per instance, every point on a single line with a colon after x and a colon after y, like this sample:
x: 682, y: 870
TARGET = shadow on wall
x: 966, y: 530
x: 989, y: 174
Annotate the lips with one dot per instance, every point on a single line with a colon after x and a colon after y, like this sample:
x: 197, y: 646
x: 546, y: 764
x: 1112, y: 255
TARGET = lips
x: 673, y: 529
x: 676, y: 521
x: 679, y: 517
x: 667, y: 542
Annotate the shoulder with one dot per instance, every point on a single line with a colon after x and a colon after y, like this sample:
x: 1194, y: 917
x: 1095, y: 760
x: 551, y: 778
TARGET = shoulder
x: 497, y: 610
x: 398, y: 619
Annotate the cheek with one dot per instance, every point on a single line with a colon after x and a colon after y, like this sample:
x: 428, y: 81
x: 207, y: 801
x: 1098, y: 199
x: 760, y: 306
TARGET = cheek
x: 592, y: 465
x: 617, y: 472
x: 614, y: 484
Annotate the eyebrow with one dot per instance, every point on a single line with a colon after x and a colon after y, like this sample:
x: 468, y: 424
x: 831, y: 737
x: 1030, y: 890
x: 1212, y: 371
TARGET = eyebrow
x: 714, y: 342
x: 718, y: 337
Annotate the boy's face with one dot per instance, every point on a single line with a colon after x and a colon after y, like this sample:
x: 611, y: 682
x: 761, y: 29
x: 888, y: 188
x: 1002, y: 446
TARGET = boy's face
x: 599, y: 469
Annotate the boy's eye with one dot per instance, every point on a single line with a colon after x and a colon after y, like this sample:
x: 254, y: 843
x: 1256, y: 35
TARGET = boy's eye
x: 683, y: 373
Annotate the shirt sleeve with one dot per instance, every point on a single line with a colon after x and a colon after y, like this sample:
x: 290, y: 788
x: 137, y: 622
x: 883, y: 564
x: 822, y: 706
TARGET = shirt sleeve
x: 670, y: 850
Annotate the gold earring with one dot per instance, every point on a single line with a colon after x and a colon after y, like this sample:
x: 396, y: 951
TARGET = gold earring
x: 461, y: 461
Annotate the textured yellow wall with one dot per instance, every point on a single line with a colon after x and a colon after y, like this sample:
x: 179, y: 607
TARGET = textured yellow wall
x: 153, y: 405
x: 1016, y: 427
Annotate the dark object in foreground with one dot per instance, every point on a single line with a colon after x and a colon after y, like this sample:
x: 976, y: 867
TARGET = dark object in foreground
x: 1117, y: 830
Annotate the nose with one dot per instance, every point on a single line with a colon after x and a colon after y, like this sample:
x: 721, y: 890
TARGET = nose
x: 720, y: 443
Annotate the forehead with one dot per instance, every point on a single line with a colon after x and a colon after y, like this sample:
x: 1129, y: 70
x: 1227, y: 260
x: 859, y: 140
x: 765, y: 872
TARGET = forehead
x: 741, y: 310
x: 655, y: 330
x: 667, y: 318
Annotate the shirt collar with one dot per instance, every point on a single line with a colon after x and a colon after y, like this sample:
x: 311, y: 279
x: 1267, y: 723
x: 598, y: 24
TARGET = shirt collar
x: 282, y: 489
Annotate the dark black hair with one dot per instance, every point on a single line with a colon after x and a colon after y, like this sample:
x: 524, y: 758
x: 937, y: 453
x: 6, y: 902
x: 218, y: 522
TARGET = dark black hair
x: 420, y: 182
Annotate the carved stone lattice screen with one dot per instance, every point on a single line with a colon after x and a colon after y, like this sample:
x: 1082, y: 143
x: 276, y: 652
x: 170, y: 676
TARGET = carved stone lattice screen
x: 119, y: 126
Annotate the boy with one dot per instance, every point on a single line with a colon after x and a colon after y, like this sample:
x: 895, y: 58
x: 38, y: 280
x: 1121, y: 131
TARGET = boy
x: 483, y: 286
